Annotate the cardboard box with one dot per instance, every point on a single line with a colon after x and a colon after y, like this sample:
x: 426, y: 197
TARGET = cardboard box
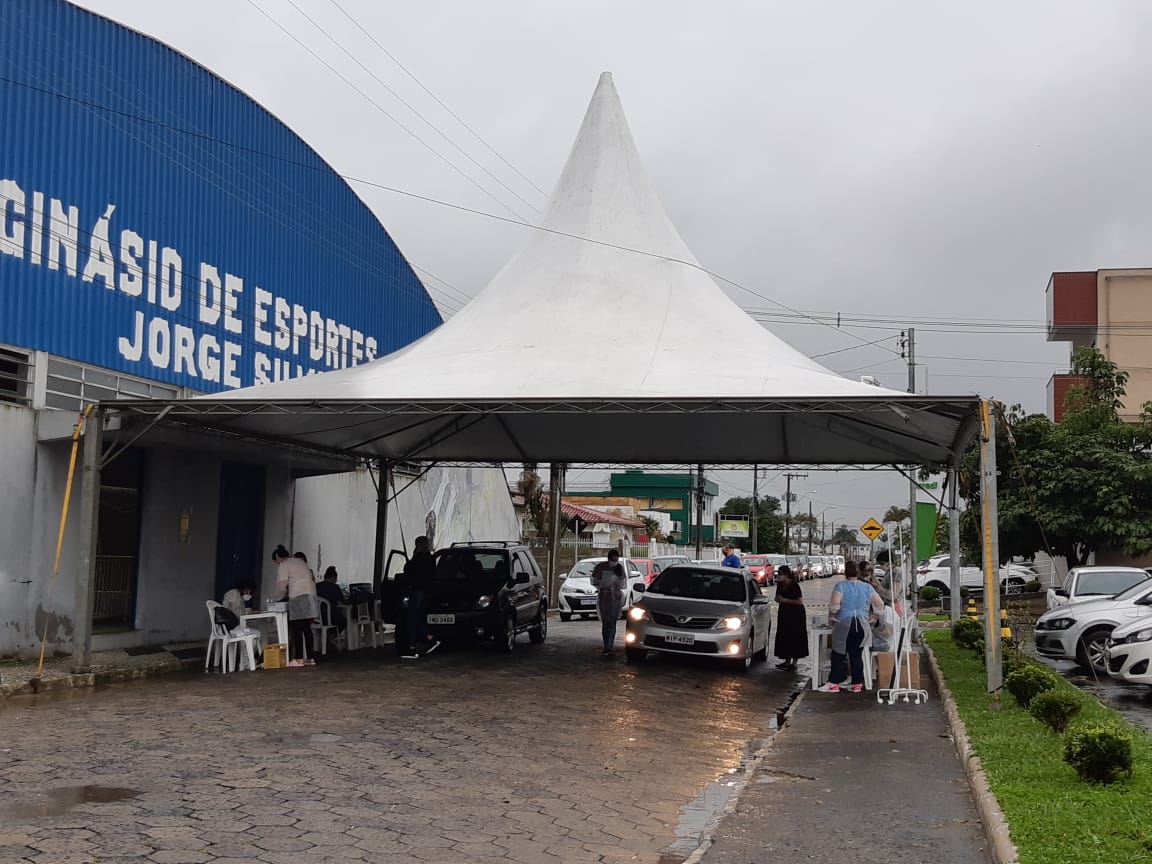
x: 276, y: 656
x: 886, y: 661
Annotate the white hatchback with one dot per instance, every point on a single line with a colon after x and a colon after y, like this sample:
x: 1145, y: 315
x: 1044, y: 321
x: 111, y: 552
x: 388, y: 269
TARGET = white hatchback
x: 1128, y: 653
x: 578, y: 597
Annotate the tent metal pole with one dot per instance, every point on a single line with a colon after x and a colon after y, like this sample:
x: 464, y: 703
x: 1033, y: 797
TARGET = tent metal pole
x: 991, y: 551
x: 953, y: 546
x: 699, y: 512
x: 555, y: 486
x: 85, y: 602
x: 380, y: 553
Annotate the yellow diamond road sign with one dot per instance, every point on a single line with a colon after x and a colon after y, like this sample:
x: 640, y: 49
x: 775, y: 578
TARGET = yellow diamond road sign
x: 872, y: 529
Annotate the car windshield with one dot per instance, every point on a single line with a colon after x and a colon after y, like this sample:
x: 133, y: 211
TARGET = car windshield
x: 464, y: 565
x: 1137, y: 590
x: 583, y: 568
x: 1109, y: 581
x: 754, y: 560
x: 700, y: 584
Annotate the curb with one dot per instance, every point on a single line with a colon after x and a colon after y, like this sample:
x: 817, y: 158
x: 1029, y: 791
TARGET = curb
x: 749, y: 767
x: 996, y: 830
x: 57, y: 681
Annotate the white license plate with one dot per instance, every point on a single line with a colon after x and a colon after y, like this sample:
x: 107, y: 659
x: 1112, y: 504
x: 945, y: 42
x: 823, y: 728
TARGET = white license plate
x: 588, y: 601
x: 441, y: 619
x: 680, y: 638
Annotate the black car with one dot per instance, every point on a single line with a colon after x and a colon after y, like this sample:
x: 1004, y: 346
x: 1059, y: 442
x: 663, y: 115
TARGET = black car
x: 488, y: 591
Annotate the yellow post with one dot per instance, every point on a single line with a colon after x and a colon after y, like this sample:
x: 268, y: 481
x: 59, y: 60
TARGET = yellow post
x: 1005, y: 629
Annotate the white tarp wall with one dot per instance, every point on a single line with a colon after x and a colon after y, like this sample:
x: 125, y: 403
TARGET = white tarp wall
x: 334, y: 520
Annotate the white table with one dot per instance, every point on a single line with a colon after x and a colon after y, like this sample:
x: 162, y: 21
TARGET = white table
x: 281, y: 619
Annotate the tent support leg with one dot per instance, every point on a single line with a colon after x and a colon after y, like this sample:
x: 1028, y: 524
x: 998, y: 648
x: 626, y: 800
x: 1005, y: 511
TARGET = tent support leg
x: 380, y: 552
x: 555, y: 487
x: 953, y: 546
x: 85, y: 602
x: 699, y: 512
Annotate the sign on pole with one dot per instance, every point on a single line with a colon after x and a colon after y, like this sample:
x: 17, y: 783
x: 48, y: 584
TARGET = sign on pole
x: 871, y: 529
x: 735, y: 527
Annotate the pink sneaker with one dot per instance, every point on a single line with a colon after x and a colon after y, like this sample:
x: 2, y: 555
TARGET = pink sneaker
x: 830, y: 688
x: 856, y: 688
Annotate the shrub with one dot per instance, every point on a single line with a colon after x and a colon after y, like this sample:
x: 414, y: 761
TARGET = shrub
x: 1013, y: 659
x: 1032, y: 586
x: 1100, y: 754
x: 966, y: 632
x: 964, y: 592
x: 1029, y: 682
x: 929, y: 593
x: 1055, y: 708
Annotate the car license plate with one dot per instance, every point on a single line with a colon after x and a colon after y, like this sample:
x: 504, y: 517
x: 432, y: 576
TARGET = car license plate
x: 588, y: 601
x: 441, y: 619
x: 680, y: 638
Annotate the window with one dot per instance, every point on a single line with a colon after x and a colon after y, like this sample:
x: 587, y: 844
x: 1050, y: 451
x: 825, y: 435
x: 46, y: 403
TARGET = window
x: 1108, y: 583
x: 72, y: 385
x: 15, y: 377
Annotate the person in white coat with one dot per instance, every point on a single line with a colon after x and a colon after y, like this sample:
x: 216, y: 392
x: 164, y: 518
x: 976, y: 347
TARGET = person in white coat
x: 611, y: 581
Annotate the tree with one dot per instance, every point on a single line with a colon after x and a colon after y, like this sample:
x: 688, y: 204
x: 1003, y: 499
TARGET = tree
x: 844, y: 538
x: 896, y: 513
x: 651, y: 528
x: 770, y: 527
x: 1072, y: 487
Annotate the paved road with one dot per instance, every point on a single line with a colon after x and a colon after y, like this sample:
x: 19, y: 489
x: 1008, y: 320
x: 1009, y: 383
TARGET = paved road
x: 550, y: 754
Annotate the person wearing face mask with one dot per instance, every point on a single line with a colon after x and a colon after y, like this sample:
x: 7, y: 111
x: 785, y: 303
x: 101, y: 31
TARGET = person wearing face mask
x: 239, y: 599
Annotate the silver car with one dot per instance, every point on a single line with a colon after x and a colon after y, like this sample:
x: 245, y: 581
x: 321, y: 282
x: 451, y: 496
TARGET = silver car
x: 1081, y: 631
x: 701, y: 609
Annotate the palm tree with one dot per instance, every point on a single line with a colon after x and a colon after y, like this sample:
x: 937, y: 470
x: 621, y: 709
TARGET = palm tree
x: 896, y: 513
x: 844, y: 537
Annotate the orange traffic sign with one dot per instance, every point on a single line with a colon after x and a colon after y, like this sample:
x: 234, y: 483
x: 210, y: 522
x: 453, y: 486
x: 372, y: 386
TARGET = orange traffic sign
x: 872, y: 529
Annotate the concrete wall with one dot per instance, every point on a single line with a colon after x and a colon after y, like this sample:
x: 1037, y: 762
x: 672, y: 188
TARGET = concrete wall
x: 1124, y: 297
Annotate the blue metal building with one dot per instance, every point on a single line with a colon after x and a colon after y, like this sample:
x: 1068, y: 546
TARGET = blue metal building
x: 156, y: 222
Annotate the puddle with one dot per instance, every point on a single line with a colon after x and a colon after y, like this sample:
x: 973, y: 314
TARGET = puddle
x: 696, y: 817
x: 58, y: 801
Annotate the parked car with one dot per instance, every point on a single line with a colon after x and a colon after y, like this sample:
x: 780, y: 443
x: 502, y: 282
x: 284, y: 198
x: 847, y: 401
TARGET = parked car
x: 937, y: 572
x: 816, y: 565
x: 796, y: 563
x: 1084, y: 582
x: 840, y: 562
x: 762, y: 567
x: 660, y: 562
x: 1128, y: 652
x: 644, y: 565
x: 488, y: 591
x: 1081, y: 631
x: 701, y: 609
x: 578, y: 597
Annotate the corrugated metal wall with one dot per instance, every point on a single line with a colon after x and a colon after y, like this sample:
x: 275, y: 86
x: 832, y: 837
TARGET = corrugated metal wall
x: 141, y: 196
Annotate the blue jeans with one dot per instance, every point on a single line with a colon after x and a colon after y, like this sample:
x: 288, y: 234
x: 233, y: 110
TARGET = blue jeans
x: 418, y: 619
x: 854, y: 657
x: 609, y: 611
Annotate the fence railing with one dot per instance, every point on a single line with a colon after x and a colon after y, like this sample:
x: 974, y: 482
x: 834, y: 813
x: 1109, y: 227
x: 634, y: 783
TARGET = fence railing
x: 113, y: 589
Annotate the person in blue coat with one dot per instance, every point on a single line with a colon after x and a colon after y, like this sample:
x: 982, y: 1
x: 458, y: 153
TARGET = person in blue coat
x: 851, y: 610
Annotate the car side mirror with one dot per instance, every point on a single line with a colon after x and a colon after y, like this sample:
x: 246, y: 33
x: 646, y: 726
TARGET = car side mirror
x: 761, y: 601
x: 521, y: 579
x: 639, y: 587
x: 1060, y: 592
x: 1146, y: 600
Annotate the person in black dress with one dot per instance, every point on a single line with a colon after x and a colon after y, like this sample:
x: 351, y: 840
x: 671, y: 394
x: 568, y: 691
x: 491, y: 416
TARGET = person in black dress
x: 791, y: 628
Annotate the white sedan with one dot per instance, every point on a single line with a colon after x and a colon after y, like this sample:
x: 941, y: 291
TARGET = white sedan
x: 578, y: 597
x: 1128, y: 653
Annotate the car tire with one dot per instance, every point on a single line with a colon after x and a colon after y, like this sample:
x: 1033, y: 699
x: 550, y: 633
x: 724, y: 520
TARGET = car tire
x: 507, y: 637
x: 945, y: 590
x: 635, y: 655
x: 565, y: 616
x: 538, y: 632
x: 1091, y: 646
x: 761, y: 655
x: 742, y: 665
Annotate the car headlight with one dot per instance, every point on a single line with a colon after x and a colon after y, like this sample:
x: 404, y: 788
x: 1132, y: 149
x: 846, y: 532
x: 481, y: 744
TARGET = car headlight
x: 637, y: 613
x: 733, y: 622
x: 483, y: 602
x: 1140, y: 636
x: 1060, y: 623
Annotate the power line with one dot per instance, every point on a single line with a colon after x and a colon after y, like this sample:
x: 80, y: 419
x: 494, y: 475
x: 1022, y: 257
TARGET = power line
x: 379, y: 107
x: 437, y: 99
x: 409, y: 106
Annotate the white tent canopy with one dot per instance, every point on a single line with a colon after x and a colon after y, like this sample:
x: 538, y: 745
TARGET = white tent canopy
x: 601, y: 340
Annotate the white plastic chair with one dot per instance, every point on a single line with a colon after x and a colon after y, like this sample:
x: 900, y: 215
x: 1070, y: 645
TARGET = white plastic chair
x: 227, y: 640
x: 320, y: 629
x: 360, y: 619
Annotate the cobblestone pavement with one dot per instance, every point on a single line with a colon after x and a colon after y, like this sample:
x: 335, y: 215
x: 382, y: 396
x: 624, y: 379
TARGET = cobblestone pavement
x: 550, y: 754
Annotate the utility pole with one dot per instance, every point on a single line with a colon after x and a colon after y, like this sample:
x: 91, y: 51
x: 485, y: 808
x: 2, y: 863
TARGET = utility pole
x: 755, y: 492
x: 811, y: 520
x: 991, y: 545
x: 788, y: 478
x: 953, y: 546
x: 699, y: 512
x: 910, y: 566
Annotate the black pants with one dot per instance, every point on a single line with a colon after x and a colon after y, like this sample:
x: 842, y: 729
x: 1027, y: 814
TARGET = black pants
x: 854, y: 658
x: 299, y: 638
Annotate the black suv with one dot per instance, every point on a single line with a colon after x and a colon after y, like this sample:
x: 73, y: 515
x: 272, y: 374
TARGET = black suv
x: 488, y: 590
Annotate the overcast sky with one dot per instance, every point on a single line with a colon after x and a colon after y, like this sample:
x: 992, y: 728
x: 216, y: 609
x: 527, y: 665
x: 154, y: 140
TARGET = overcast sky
x: 917, y: 162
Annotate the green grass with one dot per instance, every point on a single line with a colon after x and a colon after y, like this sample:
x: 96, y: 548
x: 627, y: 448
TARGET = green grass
x: 1054, y: 817
x: 933, y: 617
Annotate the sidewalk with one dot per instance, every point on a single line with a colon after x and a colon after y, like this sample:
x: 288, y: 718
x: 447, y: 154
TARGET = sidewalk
x: 16, y: 677
x: 849, y: 779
